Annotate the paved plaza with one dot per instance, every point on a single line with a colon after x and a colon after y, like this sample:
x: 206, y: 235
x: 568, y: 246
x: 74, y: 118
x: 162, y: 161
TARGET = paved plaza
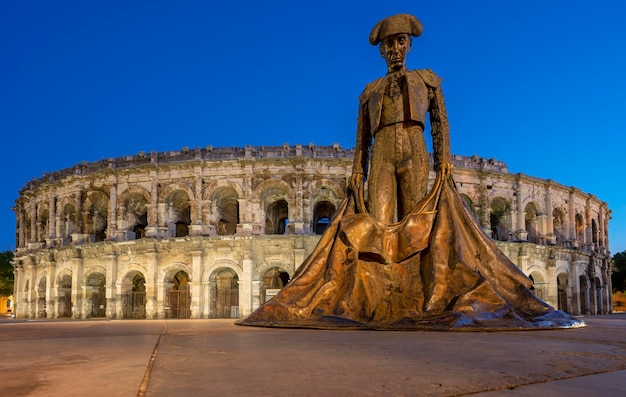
x: 217, y: 358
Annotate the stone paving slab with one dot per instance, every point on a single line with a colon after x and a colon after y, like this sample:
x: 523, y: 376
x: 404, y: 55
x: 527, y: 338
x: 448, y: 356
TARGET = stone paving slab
x: 217, y: 358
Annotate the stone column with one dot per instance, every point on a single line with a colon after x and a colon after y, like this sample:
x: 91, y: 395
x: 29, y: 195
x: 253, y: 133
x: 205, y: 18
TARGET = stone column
x: 550, y: 236
x: 33, y: 223
x: 52, y: 218
x: 195, y: 229
x: 521, y: 232
x: 77, y: 284
x: 112, y: 232
x: 153, y: 215
x: 196, y: 283
x: 245, y: 286
x: 151, y: 283
x: 571, y: 223
x: 112, y: 295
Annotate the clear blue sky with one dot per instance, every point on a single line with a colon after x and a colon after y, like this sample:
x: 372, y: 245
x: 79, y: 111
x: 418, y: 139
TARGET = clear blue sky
x: 537, y: 84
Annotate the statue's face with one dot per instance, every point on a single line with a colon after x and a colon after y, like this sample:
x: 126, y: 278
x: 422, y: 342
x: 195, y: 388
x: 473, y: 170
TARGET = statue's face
x: 394, y: 49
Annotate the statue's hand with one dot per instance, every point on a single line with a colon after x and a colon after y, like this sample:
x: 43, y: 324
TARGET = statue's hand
x: 356, y: 182
x: 445, y: 169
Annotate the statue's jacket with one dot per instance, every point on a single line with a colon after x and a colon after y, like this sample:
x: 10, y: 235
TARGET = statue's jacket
x: 424, y: 96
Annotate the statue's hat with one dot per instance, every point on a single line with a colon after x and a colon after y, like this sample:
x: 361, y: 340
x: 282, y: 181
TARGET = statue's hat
x: 400, y: 23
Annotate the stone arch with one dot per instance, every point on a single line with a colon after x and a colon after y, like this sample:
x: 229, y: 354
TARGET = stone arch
x: 43, y: 218
x: 134, y: 204
x: 540, y: 282
x: 324, y: 189
x: 94, y: 283
x: 63, y: 285
x: 531, y: 222
x: 212, y: 186
x: 594, y: 232
x: 563, y: 286
x: 68, y: 218
x: 224, y: 286
x: 579, y: 226
x: 583, y: 296
x: 222, y: 263
x: 97, y: 215
x: 178, y: 210
x: 132, y: 286
x: 323, y: 212
x: 275, y: 195
x: 41, y: 289
x: 500, y: 218
x: 225, y: 210
x: 177, y: 283
x: 559, y: 226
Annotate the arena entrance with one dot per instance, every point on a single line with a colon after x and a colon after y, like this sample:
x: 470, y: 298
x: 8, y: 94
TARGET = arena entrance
x: 134, y: 296
x: 64, y: 296
x: 178, y: 297
x: 96, y: 286
x: 273, y: 281
x: 226, y: 303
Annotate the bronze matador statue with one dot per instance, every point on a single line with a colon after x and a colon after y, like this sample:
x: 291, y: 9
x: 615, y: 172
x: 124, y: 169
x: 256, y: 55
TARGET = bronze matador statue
x: 410, y: 259
x: 392, y: 113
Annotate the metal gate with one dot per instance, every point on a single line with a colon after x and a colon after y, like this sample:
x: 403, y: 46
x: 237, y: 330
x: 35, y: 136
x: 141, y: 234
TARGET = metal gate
x: 227, y: 303
x: 134, y: 305
x: 178, y: 304
x: 99, y: 303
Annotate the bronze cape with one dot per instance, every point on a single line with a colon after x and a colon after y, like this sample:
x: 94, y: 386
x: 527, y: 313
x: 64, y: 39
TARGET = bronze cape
x: 434, y: 270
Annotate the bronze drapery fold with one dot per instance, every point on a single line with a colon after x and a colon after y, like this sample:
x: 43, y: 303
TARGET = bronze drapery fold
x: 434, y: 270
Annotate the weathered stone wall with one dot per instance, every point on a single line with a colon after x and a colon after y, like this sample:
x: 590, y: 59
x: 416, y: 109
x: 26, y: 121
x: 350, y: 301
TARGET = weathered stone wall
x: 213, y: 232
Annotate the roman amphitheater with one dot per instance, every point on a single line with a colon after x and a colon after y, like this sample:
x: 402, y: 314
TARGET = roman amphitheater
x: 214, y: 232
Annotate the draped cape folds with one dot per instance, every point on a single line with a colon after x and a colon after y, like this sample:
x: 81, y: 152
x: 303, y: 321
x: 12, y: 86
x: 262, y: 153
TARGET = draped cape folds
x: 434, y: 270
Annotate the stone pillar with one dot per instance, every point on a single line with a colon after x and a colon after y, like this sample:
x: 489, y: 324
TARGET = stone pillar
x: 550, y: 236
x: 52, y: 218
x: 33, y: 223
x: 153, y: 213
x: 521, y: 234
x: 112, y: 232
x: 77, y: 284
x: 571, y: 222
x: 151, y: 283
x: 206, y: 290
x: 245, y: 286
x: 21, y: 240
x: 195, y: 229
x: 196, y: 283
x: 256, y: 294
x: 552, y: 287
x: 112, y: 294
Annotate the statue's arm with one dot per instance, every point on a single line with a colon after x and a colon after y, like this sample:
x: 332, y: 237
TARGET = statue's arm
x: 440, y: 130
x: 361, y: 150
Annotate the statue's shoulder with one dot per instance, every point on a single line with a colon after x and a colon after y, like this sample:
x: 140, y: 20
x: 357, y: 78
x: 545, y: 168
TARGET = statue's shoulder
x: 370, y: 88
x: 429, y: 77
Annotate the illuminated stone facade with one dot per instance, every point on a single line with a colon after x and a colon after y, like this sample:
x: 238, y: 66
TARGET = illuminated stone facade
x: 214, y: 232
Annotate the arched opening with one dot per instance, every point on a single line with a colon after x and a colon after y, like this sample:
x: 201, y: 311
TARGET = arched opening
x: 580, y: 230
x: 499, y: 217
x: 530, y: 222
x: 539, y: 286
x: 558, y: 225
x: 562, y: 282
x: 594, y: 233
x: 134, y: 295
x: 179, y: 297
x: 599, y: 299
x: 136, y: 214
x: 42, y: 225
x: 322, y: 213
x: 97, y: 216
x: 584, y: 294
x: 226, y: 296
x: 178, y: 213
x: 276, y: 217
x: 273, y: 281
x: 68, y: 223
x: 64, y: 295
x: 226, y: 211
x: 96, y: 289
x: 41, y: 299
